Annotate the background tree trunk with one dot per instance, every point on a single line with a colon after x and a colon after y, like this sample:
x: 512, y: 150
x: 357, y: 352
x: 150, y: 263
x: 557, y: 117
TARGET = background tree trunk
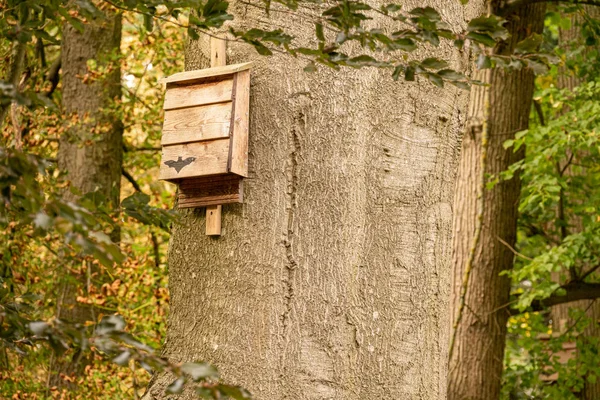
x: 331, y: 280
x: 477, y: 357
x: 90, y: 150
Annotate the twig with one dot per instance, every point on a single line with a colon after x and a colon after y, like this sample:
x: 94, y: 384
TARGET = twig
x: 153, y: 238
x: 54, y: 75
x: 131, y: 180
x: 538, y: 109
x: 589, y: 272
x: 574, y: 324
x: 515, y: 252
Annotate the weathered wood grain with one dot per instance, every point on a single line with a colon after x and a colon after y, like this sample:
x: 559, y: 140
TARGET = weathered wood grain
x: 198, y: 123
x: 210, y: 158
x: 198, y: 94
x: 238, y: 162
x: 210, y: 190
x: 208, y: 72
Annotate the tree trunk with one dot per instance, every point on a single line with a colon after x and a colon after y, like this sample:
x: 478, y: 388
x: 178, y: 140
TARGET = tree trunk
x: 90, y: 150
x: 475, y: 368
x: 331, y: 280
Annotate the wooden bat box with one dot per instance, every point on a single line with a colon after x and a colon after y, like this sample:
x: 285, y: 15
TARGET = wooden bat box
x: 205, y: 134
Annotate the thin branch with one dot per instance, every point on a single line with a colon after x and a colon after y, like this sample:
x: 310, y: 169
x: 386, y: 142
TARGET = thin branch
x: 538, y: 109
x: 534, y: 230
x: 574, y: 324
x: 54, y: 75
x: 131, y: 180
x: 589, y: 272
x: 153, y: 238
x: 515, y: 252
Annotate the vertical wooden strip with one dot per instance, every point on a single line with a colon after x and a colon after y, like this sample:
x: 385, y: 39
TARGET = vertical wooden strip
x: 233, y: 90
x: 218, y: 58
x: 238, y: 150
x: 213, y: 220
x: 218, y: 52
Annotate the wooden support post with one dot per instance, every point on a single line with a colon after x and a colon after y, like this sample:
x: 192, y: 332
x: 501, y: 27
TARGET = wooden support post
x: 218, y: 58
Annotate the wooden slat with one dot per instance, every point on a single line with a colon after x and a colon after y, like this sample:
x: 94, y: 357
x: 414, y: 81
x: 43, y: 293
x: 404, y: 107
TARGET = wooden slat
x: 210, y: 190
x: 202, y: 158
x: 199, y: 94
x: 238, y: 163
x: 197, y: 123
x: 207, y: 72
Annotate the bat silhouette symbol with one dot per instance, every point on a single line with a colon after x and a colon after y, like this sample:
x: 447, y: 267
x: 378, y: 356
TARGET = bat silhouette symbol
x: 180, y: 163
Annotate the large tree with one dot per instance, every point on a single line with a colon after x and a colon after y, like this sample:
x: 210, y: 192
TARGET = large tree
x: 485, y: 221
x: 332, y: 279
x: 90, y: 150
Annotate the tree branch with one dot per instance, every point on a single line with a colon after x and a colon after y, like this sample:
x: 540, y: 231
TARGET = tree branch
x: 575, y: 291
x: 512, y: 6
x: 153, y: 237
x: 131, y: 180
x: 53, y: 75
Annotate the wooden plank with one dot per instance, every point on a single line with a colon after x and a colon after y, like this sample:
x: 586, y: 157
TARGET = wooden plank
x: 211, y: 181
x: 218, y: 58
x: 207, y: 72
x: 218, y: 52
x: 238, y: 163
x: 199, y: 94
x: 194, y: 159
x: 211, y: 193
x: 197, y: 123
x: 213, y: 220
x: 210, y: 190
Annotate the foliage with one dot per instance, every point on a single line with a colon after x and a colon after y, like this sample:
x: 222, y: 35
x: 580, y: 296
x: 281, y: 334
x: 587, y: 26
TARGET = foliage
x: 47, y: 236
x: 559, y: 225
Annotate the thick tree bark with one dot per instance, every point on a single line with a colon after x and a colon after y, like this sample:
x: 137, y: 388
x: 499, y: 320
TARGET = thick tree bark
x: 475, y: 368
x: 90, y: 150
x: 331, y: 280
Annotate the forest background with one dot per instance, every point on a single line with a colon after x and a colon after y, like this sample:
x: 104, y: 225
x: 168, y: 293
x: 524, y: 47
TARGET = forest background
x: 58, y: 236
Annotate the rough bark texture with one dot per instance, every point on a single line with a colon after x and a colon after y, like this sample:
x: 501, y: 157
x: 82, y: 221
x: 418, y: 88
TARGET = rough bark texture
x: 331, y: 281
x: 90, y: 150
x: 475, y: 369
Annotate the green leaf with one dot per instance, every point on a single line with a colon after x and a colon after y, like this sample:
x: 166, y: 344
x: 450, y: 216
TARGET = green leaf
x: 200, y: 371
x: 409, y: 73
x: 529, y: 44
x: 123, y: 358
x: 39, y: 328
x: 491, y: 25
x: 310, y: 67
x: 482, y: 38
x: 433, y: 63
x: 397, y: 71
x: 390, y: 8
x: 176, y: 387
x: 435, y: 79
x: 483, y: 62
x: 427, y: 12
x: 451, y: 75
x: 319, y: 32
